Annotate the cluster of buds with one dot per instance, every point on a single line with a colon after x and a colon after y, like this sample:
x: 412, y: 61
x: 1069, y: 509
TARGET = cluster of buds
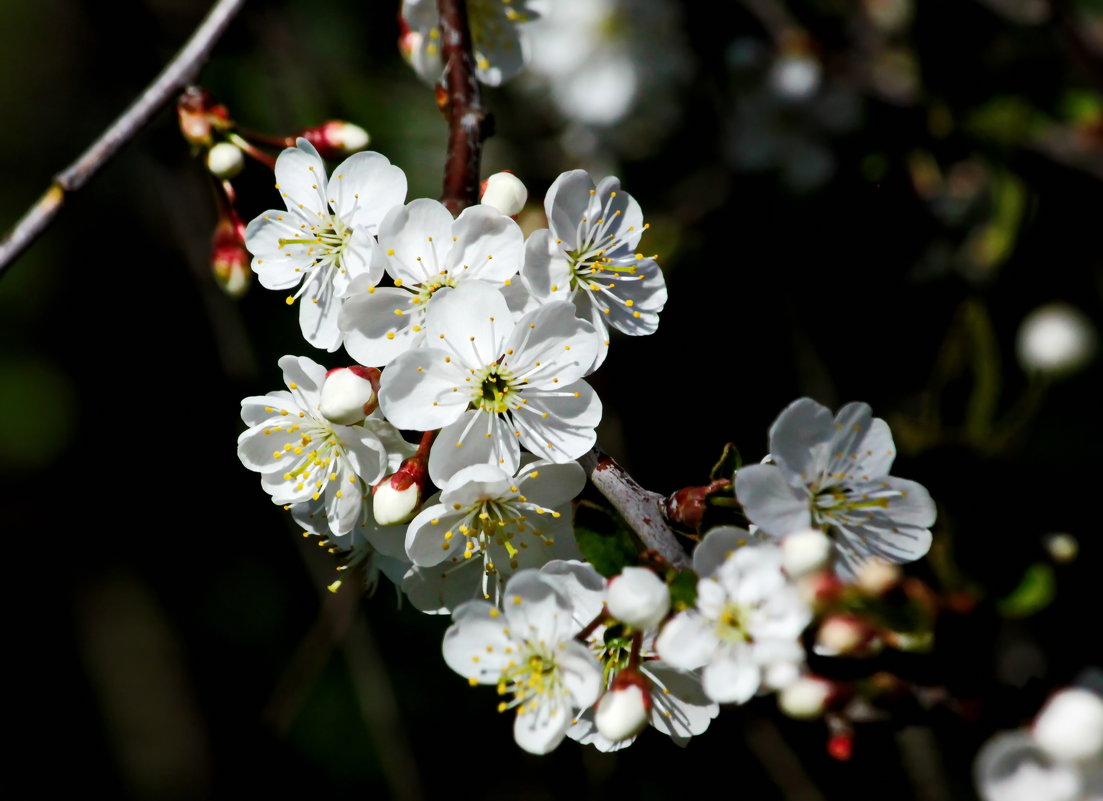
x: 223, y: 146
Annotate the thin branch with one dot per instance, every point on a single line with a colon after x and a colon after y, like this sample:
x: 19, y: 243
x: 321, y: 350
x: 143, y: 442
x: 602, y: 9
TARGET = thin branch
x: 468, y: 121
x: 641, y: 509
x: 174, y: 77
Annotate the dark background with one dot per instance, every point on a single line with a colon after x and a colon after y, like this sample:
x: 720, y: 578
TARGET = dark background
x: 168, y: 631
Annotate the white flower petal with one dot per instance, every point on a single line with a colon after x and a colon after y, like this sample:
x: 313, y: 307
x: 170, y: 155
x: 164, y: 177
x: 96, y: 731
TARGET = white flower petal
x: 420, y: 390
x: 416, y: 240
x: 770, y: 502
x: 488, y: 246
x: 687, y: 641
x: 364, y: 187
x: 301, y: 178
x: 374, y: 334
x: 799, y: 438
x: 733, y: 678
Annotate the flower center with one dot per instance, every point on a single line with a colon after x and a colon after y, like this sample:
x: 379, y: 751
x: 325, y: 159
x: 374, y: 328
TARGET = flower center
x: 424, y: 292
x: 537, y: 675
x: 840, y: 503
x: 318, y: 451
x: 324, y: 245
x: 495, y: 390
x: 731, y: 625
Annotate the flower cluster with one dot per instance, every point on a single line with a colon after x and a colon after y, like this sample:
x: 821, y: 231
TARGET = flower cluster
x: 462, y: 332
x: 479, y: 343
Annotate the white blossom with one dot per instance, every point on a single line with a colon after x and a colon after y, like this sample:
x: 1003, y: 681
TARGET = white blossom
x: 832, y: 474
x: 484, y: 526
x: 526, y: 648
x: 425, y: 250
x: 679, y: 707
x: 745, y: 628
x: 303, y: 456
x: 499, y: 49
x: 325, y: 238
x: 492, y: 385
x: 588, y: 255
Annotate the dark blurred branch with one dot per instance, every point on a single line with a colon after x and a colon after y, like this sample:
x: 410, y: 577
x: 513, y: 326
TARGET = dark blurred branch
x: 468, y: 121
x: 174, y: 77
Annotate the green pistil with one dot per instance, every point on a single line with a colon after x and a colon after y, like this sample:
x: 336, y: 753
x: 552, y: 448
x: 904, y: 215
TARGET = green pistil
x: 732, y: 624
x: 495, y: 391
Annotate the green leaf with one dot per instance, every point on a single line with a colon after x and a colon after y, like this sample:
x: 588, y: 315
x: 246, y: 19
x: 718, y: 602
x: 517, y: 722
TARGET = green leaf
x: 727, y: 464
x: 683, y: 590
x: 604, y: 540
x: 1034, y: 593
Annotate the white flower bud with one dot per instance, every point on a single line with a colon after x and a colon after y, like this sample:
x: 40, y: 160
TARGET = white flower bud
x: 877, y: 576
x: 622, y: 713
x: 638, y: 597
x: 805, y: 552
x: 348, y: 395
x: 805, y: 698
x: 505, y: 192
x: 225, y: 160
x: 348, y: 137
x: 1070, y: 726
x: 392, y: 506
x: 1063, y: 548
x: 840, y: 635
x: 1055, y: 338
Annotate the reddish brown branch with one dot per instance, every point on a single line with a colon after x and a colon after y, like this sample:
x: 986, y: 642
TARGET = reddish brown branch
x: 468, y: 121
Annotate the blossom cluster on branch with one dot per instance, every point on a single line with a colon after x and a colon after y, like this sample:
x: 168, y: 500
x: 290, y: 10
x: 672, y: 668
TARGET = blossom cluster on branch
x: 477, y: 342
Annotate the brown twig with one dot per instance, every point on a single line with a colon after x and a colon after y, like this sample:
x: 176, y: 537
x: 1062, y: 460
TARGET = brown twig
x: 640, y: 508
x: 468, y: 121
x: 174, y: 77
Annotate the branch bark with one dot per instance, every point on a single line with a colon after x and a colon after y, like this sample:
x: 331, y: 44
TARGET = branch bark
x: 641, y: 508
x: 468, y: 121
x: 173, y: 78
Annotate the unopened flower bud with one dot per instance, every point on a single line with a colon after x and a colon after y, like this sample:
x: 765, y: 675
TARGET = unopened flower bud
x: 397, y: 497
x: 1055, y: 338
x: 625, y: 708
x: 805, y: 552
x: 877, y: 576
x: 805, y: 698
x: 843, y: 635
x: 225, y: 160
x: 638, y: 597
x: 686, y: 507
x: 1070, y: 726
x: 197, y: 114
x: 348, y: 394
x: 505, y: 192
x: 337, y: 139
x: 229, y: 258
x: 1063, y: 548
